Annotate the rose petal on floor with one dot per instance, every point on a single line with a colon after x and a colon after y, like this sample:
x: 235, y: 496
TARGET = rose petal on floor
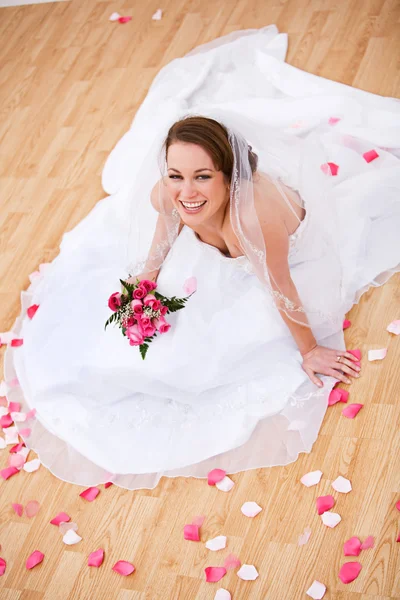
x: 114, y: 17
x: 60, y: 518
x: 352, y: 547
x: 190, y: 285
x: 71, y: 537
x: 18, y: 508
x: 334, y: 120
x: 123, y: 567
x: 108, y: 484
x: 215, y: 476
x: 198, y: 520
x: 330, y: 519
x: 317, y: 590
x: 34, y: 559
x: 222, y: 594
x: 31, y: 414
x: 334, y: 397
x: 14, y: 407
x: 232, y: 562
x: 124, y: 19
x: 67, y: 526
x: 344, y: 395
x: 214, y: 574
x: 247, y: 573
x: 32, y: 508
x: 8, y: 472
x: 6, y: 421
x: 398, y: 538
x: 3, y: 566
x: 32, y: 465
x: 96, y: 558
x: 311, y: 478
x: 17, y: 342
x: 346, y: 324
x: 330, y: 168
x: 324, y: 503
x: 17, y: 447
x: 217, y: 543
x: 377, y: 354
x: 370, y: 155
x: 18, y: 417
x: 355, y: 352
x: 304, y: 537
x: 342, y: 485
x: 23, y: 452
x: 349, y: 571
x: 394, y: 327
x: 31, y: 311
x: 157, y: 15
x: 352, y: 410
x: 225, y: 485
x: 398, y: 505
x: 26, y: 432
x: 368, y: 543
x: 3, y: 402
x: 191, y: 533
x: 11, y: 435
x: 251, y: 509
x: 16, y: 460
x: 90, y: 494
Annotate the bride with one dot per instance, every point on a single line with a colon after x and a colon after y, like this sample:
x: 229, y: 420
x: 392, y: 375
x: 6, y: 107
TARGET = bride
x: 281, y: 208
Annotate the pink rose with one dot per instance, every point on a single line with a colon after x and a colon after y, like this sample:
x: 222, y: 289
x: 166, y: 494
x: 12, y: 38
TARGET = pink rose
x: 161, y: 325
x: 164, y: 310
x: 139, y: 293
x: 145, y: 321
x: 148, y: 285
x: 134, y: 335
x: 130, y: 321
x: 149, y: 331
x: 156, y: 305
x: 150, y: 300
x: 114, y: 301
x: 137, y: 306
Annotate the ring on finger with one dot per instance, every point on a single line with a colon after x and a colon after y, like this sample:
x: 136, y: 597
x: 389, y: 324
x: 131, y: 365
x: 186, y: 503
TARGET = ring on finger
x: 338, y: 358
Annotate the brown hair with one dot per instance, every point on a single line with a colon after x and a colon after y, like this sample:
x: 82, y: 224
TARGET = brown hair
x: 212, y: 136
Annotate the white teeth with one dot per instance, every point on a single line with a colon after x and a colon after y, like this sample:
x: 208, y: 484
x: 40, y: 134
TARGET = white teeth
x: 192, y: 204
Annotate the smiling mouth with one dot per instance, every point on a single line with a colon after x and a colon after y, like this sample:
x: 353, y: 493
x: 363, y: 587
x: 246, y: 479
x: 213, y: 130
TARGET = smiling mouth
x: 193, y: 207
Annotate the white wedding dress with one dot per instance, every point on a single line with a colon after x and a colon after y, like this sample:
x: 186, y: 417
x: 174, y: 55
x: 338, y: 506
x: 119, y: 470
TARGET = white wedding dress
x: 224, y: 388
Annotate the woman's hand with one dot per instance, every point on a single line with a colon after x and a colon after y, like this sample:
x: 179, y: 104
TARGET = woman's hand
x: 325, y: 361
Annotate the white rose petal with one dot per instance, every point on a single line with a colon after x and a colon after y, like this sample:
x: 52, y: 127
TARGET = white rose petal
x: 225, y: 485
x: 3, y: 411
x: 216, y: 543
x: 247, y: 573
x: 222, y: 594
x: 157, y: 15
x: 11, y: 434
x: 251, y: 509
x: 311, y: 478
x: 71, y: 538
x: 316, y: 591
x: 114, y: 17
x: 18, y: 417
x: 341, y: 484
x: 393, y: 327
x: 331, y: 519
x: 32, y: 465
x: 377, y: 354
x: 24, y: 451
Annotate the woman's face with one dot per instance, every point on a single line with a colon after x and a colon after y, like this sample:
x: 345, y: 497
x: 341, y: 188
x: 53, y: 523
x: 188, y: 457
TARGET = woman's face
x: 197, y: 190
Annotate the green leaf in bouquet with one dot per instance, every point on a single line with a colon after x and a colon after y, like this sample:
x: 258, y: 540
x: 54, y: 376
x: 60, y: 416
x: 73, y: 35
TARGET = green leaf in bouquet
x: 143, y: 350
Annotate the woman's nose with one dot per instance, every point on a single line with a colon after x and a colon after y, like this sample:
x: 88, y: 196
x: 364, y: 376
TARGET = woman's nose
x: 188, y: 189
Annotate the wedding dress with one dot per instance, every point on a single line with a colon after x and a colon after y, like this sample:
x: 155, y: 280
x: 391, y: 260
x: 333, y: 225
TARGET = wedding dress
x: 224, y: 388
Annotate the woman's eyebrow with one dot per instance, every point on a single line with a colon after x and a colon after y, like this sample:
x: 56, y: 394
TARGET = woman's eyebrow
x: 196, y: 171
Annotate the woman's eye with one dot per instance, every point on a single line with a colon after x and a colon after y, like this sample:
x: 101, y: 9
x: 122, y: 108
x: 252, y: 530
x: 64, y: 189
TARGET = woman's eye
x: 179, y: 177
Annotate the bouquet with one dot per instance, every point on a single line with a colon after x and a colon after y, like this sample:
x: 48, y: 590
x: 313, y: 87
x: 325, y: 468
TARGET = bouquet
x: 140, y: 312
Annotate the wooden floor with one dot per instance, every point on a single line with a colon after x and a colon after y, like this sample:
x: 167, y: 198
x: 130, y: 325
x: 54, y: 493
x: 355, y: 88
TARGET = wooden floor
x: 70, y: 84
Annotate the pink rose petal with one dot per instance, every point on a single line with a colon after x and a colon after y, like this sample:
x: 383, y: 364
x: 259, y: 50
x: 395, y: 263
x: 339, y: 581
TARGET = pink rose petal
x: 311, y: 478
x: 215, y: 476
x: 324, y: 503
x: 333, y: 120
x: 14, y: 407
x: 31, y: 311
x: 334, y: 397
x: 32, y: 508
x: 90, y: 494
x: 34, y: 559
x: 368, y: 543
x: 96, y: 558
x: 124, y: 19
x: 24, y: 433
x: 123, y: 567
x: 342, y: 485
x: 304, y: 537
x: 352, y: 547
x: 316, y: 591
x: 18, y: 508
x: 232, y: 562
x: 394, y: 327
x: 398, y: 505
x: 13, y: 384
x: 398, y: 538
x: 330, y: 168
x: 30, y: 414
x: 352, y: 410
x: 346, y: 324
x: 356, y: 353
x: 17, y: 447
x: 65, y: 527
x: 8, y: 472
x: 6, y: 421
x: 377, y: 354
x: 214, y: 574
x: 247, y: 573
x: 3, y: 566
x: 198, y: 520
x: 190, y: 285
x: 3, y: 401
x: 370, y: 155
x: 217, y: 543
x: 251, y: 509
x: 16, y: 460
x: 191, y: 532
x: 16, y: 342
x: 60, y: 518
x: 330, y: 519
x: 349, y: 572
x: 108, y: 484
